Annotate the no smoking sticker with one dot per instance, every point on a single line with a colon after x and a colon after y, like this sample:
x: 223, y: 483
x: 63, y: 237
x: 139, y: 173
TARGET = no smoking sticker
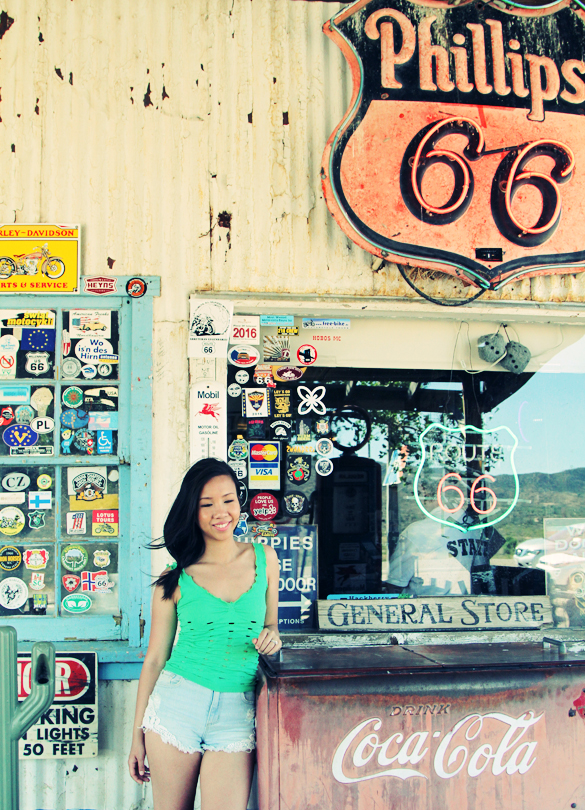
x: 306, y: 354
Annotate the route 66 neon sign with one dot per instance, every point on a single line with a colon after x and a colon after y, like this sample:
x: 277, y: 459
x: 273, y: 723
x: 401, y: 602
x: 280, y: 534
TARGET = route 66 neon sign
x: 463, y: 147
x: 453, y: 490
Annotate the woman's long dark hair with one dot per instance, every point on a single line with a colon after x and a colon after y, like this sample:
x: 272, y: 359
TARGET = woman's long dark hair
x: 181, y: 535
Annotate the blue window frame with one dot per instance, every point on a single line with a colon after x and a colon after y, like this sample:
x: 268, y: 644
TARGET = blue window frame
x: 95, y: 467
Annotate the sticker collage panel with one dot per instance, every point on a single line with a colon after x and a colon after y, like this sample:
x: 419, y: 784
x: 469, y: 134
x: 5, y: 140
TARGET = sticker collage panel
x: 90, y: 344
x: 89, y: 420
x: 27, y: 541
x: 27, y: 344
x: 58, y: 525
x: 89, y: 530
x: 279, y: 422
x: 27, y: 422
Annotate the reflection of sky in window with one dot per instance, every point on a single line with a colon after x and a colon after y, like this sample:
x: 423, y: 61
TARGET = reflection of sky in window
x: 546, y: 415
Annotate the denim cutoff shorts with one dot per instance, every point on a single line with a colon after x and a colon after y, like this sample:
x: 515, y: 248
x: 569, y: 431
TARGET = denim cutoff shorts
x: 194, y: 718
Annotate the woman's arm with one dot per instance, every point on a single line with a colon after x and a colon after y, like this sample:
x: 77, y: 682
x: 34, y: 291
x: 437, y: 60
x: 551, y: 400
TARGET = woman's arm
x: 268, y: 641
x: 162, y: 635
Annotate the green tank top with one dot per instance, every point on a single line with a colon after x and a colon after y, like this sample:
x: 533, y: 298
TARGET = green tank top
x: 214, y: 648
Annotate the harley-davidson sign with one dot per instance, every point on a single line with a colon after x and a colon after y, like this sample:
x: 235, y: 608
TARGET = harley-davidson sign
x: 463, y: 147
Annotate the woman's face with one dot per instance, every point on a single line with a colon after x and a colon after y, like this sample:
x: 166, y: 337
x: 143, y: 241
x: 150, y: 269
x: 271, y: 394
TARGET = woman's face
x: 219, y: 509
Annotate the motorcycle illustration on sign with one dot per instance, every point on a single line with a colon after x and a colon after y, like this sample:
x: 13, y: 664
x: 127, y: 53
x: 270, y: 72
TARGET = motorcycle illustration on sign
x: 462, y: 150
x: 29, y: 264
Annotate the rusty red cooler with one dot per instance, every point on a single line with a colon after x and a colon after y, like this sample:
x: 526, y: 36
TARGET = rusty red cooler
x: 476, y: 727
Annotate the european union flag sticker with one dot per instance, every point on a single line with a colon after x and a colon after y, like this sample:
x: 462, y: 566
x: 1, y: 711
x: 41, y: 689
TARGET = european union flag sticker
x: 105, y: 444
x: 38, y: 339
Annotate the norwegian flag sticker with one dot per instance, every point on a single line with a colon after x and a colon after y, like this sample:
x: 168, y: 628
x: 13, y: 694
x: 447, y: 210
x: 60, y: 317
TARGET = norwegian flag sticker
x: 96, y: 581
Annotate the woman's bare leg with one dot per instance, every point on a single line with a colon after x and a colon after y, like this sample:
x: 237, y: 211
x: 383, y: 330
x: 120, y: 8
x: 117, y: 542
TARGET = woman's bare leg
x: 173, y: 774
x: 226, y: 780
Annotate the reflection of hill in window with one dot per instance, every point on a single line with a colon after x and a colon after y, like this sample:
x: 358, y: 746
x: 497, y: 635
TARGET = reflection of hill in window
x: 541, y: 496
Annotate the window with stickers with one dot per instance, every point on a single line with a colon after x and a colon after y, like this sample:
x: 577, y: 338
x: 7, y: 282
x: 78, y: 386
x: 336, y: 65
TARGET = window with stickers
x: 68, y: 458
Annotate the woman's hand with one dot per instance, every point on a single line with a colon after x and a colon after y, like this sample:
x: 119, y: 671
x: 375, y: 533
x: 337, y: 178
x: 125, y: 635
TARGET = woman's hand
x: 138, y: 770
x: 268, y: 642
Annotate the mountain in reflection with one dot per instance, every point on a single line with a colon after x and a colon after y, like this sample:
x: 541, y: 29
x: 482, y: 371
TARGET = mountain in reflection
x: 542, y: 496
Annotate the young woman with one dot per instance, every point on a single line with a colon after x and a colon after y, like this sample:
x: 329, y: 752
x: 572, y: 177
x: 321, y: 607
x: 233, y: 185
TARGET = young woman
x: 195, y: 708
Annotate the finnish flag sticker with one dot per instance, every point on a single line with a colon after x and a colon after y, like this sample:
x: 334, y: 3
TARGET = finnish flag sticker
x: 40, y: 500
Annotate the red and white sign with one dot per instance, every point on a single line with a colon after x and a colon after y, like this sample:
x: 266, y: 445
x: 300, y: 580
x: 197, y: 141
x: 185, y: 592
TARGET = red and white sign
x: 264, y: 506
x: 35, y: 558
x: 243, y: 355
x: 306, y: 354
x: 69, y: 728
x: 246, y: 329
x: 105, y: 516
x: 72, y: 678
x: 100, y: 285
x: 461, y: 749
x: 208, y: 428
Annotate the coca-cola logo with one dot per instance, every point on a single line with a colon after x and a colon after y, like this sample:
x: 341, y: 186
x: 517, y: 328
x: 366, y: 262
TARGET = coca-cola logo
x: 365, y: 752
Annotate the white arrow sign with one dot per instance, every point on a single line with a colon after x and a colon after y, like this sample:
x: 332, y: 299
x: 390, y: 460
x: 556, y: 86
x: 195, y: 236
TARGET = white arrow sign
x: 303, y: 604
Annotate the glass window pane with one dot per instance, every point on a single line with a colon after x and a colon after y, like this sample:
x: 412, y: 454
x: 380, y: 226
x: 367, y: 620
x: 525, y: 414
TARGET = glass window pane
x: 89, y: 420
x: 90, y: 344
x: 89, y: 578
x: 439, y: 482
x: 26, y: 420
x: 89, y: 501
x: 27, y: 344
x: 27, y: 579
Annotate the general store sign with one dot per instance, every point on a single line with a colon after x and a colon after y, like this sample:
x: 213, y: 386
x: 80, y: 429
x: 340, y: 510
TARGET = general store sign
x: 463, y: 148
x: 39, y: 258
x: 436, y: 613
x: 70, y: 727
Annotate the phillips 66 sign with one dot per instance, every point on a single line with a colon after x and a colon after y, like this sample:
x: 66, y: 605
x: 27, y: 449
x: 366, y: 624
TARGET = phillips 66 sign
x: 463, y: 148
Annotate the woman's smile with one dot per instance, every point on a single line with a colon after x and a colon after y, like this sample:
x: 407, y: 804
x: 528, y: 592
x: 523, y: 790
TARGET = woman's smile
x: 222, y: 526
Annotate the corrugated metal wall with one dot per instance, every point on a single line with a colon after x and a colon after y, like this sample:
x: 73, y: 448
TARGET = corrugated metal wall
x: 186, y: 137
x: 99, y: 783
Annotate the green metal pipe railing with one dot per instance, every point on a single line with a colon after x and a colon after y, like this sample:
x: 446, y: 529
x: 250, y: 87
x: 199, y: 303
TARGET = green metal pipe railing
x: 16, y: 718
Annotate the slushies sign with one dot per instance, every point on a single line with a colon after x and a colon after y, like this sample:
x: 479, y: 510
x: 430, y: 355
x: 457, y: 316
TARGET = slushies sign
x: 453, y: 484
x: 463, y: 147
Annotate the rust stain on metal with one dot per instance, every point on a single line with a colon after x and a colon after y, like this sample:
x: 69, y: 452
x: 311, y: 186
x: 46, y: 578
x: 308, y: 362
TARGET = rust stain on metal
x: 147, y: 100
x: 5, y: 23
